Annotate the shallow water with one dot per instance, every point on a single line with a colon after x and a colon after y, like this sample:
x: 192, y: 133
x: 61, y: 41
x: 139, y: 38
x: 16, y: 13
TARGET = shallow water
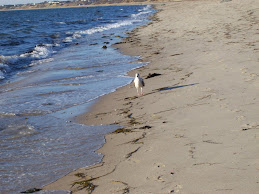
x: 52, y: 68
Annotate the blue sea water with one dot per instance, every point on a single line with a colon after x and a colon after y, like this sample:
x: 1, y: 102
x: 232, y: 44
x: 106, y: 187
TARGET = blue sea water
x: 53, y: 67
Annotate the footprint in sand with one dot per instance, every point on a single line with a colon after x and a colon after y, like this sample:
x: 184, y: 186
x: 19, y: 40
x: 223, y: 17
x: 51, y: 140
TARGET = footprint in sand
x: 178, y: 188
x: 248, y: 126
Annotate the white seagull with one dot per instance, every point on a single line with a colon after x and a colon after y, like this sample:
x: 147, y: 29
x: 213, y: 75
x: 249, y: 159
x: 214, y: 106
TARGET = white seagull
x: 139, y: 83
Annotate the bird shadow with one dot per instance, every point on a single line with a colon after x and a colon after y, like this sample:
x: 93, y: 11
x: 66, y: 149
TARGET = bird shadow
x: 170, y: 88
x: 175, y: 87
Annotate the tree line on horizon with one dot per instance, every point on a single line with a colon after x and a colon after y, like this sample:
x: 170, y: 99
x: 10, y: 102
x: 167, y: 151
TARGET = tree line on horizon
x: 56, y: 4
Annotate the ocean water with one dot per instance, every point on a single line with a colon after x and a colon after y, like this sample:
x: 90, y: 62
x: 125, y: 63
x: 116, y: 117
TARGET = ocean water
x: 53, y: 67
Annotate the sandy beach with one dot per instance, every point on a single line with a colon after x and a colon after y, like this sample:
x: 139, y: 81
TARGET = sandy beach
x: 195, y: 130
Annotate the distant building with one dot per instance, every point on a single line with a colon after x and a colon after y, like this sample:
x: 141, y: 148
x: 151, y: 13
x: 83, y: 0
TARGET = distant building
x: 53, y: 2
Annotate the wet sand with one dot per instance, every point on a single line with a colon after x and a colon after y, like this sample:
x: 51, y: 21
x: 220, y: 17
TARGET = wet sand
x: 195, y: 130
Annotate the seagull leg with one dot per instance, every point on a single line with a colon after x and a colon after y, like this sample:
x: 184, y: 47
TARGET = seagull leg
x: 142, y: 94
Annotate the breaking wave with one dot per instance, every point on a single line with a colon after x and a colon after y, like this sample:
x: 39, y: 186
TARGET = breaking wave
x: 105, y: 27
x: 9, y: 63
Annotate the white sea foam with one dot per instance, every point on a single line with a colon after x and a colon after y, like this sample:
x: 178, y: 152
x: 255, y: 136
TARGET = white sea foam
x: 9, y: 59
x: 144, y: 11
x: 69, y: 33
x: 106, y: 27
x: 67, y: 40
x: 56, y: 45
x: 76, y: 35
x: 40, y: 52
x: 139, y: 14
x: 148, y: 7
x: 7, y: 114
x: 60, y: 23
x: 38, y: 62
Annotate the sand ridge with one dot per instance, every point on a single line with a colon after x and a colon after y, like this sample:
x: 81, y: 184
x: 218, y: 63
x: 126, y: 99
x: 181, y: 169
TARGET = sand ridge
x: 195, y: 130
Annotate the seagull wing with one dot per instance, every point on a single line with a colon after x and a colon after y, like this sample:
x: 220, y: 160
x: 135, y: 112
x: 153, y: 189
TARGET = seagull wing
x: 142, y: 82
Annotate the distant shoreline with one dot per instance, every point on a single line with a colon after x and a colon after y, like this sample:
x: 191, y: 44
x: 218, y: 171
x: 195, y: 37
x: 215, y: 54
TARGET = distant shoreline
x: 90, y: 5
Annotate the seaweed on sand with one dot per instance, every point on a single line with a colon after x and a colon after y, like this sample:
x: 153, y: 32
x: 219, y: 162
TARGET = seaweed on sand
x: 136, y: 141
x: 80, y: 175
x: 122, y: 130
x: 133, y: 121
x: 130, y: 154
x: 87, y: 183
x: 126, y: 189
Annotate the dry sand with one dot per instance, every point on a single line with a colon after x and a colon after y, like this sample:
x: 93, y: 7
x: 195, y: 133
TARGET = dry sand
x: 196, y: 128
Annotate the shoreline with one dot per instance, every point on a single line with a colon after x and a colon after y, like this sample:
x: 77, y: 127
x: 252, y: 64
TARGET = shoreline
x: 83, y: 6
x: 195, y: 129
